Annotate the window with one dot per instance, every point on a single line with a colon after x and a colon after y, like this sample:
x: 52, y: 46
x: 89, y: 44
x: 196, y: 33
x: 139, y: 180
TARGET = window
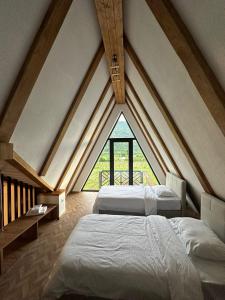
x: 121, y: 161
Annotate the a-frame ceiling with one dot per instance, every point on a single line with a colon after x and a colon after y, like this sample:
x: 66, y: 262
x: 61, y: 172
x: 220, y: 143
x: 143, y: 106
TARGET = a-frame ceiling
x: 173, y: 91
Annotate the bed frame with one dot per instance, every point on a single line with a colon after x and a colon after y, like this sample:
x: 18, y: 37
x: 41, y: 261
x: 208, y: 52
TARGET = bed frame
x: 212, y: 213
x: 177, y: 184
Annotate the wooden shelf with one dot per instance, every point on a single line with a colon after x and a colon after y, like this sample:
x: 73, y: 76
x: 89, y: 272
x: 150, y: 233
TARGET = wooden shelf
x: 25, y: 227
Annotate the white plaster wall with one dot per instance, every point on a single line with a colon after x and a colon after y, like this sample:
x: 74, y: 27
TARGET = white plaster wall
x: 111, y: 119
x: 151, y: 132
x: 91, y: 130
x: 207, y: 26
x: 144, y: 145
x: 57, y: 83
x: 163, y: 129
x: 80, y: 119
x: 19, y: 22
x: 178, y: 93
x: 104, y: 136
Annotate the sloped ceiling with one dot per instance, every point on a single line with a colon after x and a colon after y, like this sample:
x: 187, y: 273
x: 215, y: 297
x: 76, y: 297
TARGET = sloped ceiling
x: 206, y: 27
x: 19, y: 21
x: 178, y: 93
x: 65, y: 69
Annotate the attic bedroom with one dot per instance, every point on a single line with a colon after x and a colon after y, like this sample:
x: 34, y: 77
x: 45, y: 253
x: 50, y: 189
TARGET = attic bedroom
x: 112, y: 149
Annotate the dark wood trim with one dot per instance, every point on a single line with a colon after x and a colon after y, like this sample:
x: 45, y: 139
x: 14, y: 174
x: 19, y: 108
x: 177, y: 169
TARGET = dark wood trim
x: 16, y: 199
x: 110, y: 17
x: 201, y: 74
x: 82, y: 137
x: 169, y: 120
x: 1, y: 203
x: 152, y: 125
x: 9, y: 199
x: 21, y: 199
x: 32, y: 66
x: 90, y: 147
x: 131, y: 162
x: 24, y: 167
x: 72, y: 110
x: 111, y: 163
x: 129, y: 142
x: 147, y: 135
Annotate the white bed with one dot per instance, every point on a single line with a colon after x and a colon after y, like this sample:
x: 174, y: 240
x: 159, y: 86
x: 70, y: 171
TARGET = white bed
x: 142, y: 200
x: 133, y: 257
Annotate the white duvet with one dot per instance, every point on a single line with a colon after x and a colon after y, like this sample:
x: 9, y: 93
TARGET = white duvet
x: 137, y: 199
x: 121, y: 198
x: 124, y: 257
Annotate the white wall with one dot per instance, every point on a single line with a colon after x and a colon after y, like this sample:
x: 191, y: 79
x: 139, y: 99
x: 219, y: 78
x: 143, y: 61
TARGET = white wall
x: 19, y: 23
x: 206, y: 26
x: 179, y: 95
x: 57, y: 84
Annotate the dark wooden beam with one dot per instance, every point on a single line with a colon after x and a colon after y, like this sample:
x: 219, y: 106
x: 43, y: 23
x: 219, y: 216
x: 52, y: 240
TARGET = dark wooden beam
x: 32, y: 66
x: 72, y: 110
x: 25, y: 168
x: 147, y: 135
x: 83, y: 135
x: 110, y: 17
x: 201, y: 74
x: 91, y: 144
x: 169, y: 120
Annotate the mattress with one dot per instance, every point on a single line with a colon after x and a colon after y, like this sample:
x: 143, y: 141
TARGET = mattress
x: 132, y: 199
x: 124, y: 257
x: 121, y: 198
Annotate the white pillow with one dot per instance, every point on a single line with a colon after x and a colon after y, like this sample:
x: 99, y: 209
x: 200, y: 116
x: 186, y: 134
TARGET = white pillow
x: 200, y: 240
x: 163, y: 191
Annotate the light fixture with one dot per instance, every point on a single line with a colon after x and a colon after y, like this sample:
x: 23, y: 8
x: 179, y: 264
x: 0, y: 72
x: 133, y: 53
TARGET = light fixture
x: 115, y: 69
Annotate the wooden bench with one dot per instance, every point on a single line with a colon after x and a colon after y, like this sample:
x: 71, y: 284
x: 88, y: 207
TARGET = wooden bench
x: 24, y: 227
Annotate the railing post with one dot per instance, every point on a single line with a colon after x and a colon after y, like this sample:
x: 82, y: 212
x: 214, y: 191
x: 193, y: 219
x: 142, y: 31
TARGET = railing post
x: 1, y: 204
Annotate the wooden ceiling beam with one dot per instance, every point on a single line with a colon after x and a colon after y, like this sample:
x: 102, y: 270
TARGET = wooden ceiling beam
x: 72, y: 110
x: 32, y: 66
x: 110, y: 17
x: 91, y: 144
x: 153, y: 127
x: 25, y: 168
x: 147, y: 135
x: 83, y: 135
x: 168, y: 119
x: 201, y: 74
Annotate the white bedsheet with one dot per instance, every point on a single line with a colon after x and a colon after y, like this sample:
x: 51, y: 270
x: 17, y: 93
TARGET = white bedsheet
x: 121, y: 198
x: 124, y: 257
x: 135, y: 199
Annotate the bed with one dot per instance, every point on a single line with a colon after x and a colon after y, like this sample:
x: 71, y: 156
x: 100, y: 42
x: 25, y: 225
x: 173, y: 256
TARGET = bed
x: 143, y: 200
x: 136, y: 257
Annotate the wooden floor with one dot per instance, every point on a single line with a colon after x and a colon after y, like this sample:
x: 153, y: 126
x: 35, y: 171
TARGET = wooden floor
x: 27, y: 266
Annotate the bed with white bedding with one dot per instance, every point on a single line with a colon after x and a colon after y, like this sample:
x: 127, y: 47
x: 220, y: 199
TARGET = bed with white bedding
x: 133, y: 257
x: 166, y: 200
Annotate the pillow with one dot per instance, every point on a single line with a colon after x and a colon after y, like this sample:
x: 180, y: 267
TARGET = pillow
x: 200, y: 240
x: 163, y: 191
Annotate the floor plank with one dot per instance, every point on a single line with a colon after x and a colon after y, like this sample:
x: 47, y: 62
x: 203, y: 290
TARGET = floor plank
x: 27, y: 266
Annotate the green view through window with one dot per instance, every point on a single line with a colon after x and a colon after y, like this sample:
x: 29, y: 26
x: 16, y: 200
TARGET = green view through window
x: 121, y: 161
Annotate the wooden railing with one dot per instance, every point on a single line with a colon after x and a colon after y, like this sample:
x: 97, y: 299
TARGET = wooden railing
x: 121, y: 177
x: 17, y: 198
